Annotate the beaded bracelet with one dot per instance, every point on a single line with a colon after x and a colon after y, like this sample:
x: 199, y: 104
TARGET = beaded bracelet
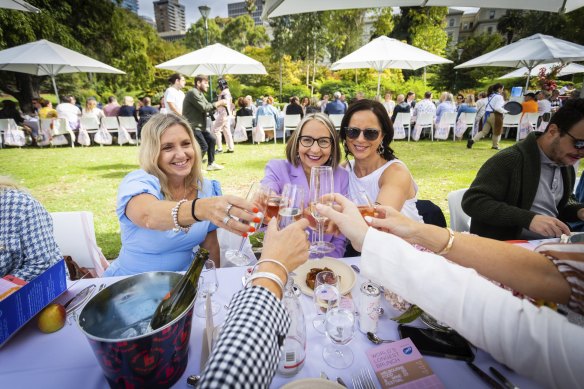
x: 270, y: 276
x: 448, y: 246
x: 174, y: 214
x: 272, y: 261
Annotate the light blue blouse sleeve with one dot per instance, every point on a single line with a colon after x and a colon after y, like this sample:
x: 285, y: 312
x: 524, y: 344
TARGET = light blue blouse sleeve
x: 136, y: 183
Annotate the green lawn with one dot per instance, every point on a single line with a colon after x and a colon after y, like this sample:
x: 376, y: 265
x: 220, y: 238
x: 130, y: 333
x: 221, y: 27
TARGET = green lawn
x: 66, y: 179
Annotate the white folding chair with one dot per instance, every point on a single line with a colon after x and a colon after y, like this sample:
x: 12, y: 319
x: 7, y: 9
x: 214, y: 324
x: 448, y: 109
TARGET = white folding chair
x: 448, y: 119
x: 5, y: 124
x: 75, y: 235
x: 509, y: 122
x: 290, y: 123
x: 130, y: 124
x: 268, y: 122
x: 57, y: 127
x: 470, y: 118
x: 337, y: 118
x: 111, y: 123
x: 405, y: 118
x: 425, y: 120
x: 91, y: 124
x: 246, y: 122
x: 459, y: 221
x: 532, y: 117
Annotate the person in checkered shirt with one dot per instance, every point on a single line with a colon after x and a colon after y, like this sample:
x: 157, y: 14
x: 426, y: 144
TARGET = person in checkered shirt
x: 248, y: 349
x: 27, y: 245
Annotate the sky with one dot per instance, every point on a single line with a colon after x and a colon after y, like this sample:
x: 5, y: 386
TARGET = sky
x: 192, y: 14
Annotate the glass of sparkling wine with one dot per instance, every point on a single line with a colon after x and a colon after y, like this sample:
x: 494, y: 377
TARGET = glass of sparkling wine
x: 326, y: 296
x: 208, y: 284
x: 321, y: 192
x: 364, y: 204
x: 291, y: 205
x: 339, y: 325
x: 258, y: 194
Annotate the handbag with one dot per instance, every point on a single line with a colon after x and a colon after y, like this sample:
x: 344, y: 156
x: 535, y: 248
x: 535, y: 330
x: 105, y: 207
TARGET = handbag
x: 258, y: 134
x: 460, y: 126
x: 525, y: 127
x: 13, y: 136
x: 83, y: 137
x: 442, y: 130
x: 240, y: 134
x: 124, y: 136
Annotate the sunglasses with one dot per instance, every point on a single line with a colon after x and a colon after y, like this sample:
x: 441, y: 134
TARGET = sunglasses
x: 308, y: 141
x: 578, y: 143
x: 368, y: 133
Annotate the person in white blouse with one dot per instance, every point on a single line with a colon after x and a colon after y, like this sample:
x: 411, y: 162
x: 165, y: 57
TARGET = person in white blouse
x: 174, y: 96
x: 534, y: 341
x: 493, y: 118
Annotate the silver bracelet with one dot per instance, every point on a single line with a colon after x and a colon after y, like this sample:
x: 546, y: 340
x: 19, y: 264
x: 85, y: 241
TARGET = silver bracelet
x: 174, y: 214
x: 271, y: 261
x: 270, y: 276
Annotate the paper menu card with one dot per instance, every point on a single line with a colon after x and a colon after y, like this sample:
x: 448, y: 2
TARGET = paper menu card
x: 400, y: 365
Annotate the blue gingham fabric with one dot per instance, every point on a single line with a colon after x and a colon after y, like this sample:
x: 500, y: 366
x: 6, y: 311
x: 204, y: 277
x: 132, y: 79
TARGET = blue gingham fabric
x: 27, y: 245
x: 248, y: 350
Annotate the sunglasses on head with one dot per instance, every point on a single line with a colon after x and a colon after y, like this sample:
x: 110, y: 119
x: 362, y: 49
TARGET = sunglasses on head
x: 578, y: 143
x: 368, y: 133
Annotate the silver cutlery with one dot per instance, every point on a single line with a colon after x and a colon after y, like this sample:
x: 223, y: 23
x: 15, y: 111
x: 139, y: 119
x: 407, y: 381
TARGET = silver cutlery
x: 377, y: 340
x: 79, y: 299
x: 341, y: 382
x: 508, y: 384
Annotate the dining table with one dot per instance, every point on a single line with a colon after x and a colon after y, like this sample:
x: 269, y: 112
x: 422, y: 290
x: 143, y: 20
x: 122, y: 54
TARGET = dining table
x: 64, y: 359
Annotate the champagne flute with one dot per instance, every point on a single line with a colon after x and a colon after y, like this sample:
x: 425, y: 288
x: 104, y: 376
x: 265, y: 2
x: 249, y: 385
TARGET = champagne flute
x: 208, y: 284
x: 321, y: 192
x: 291, y: 205
x: 364, y: 204
x: 326, y: 296
x: 340, y: 327
x: 258, y: 194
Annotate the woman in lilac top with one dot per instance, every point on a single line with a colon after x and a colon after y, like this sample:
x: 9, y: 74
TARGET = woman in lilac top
x: 314, y: 143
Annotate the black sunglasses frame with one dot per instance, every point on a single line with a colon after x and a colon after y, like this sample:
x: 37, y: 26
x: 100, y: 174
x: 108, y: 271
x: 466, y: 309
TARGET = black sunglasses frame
x: 354, y: 132
x: 578, y: 143
x: 317, y: 140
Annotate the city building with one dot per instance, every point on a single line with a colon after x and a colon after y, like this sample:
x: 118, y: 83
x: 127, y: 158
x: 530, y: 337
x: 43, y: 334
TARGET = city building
x: 148, y: 20
x: 462, y: 25
x: 236, y: 9
x: 170, y: 16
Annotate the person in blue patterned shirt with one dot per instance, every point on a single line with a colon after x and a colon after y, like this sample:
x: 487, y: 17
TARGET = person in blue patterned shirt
x: 27, y: 245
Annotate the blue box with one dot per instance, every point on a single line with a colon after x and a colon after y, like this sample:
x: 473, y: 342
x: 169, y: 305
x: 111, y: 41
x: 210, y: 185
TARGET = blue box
x: 21, y: 306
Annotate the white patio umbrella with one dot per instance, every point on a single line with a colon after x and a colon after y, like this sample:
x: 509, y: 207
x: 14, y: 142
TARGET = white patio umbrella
x: 388, y: 53
x: 216, y: 60
x: 273, y: 8
x: 44, y: 58
x: 572, y: 68
x: 529, y: 52
x: 18, y: 5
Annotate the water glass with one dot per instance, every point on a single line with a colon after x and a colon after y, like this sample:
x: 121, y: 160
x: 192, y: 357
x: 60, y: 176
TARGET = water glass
x: 340, y: 327
x: 326, y: 296
x: 208, y: 284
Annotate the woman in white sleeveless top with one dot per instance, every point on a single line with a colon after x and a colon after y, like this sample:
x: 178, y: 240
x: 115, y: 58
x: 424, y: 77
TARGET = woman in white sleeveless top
x: 366, y: 132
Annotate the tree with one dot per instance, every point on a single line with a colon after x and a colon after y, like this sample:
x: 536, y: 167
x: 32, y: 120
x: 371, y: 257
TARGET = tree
x: 195, y: 38
x: 250, y: 6
x: 344, y: 32
x: 384, y: 24
x: 241, y: 31
x: 511, y: 23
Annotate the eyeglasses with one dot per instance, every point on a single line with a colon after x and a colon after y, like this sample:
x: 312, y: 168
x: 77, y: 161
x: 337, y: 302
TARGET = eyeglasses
x: 578, y: 143
x: 368, y: 133
x: 323, y: 143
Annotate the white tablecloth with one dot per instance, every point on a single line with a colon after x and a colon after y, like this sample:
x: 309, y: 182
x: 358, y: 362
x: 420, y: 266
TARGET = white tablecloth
x: 64, y: 359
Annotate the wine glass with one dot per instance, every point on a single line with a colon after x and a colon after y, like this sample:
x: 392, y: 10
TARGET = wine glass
x: 326, y: 296
x: 321, y: 192
x: 272, y: 207
x: 364, y: 204
x: 208, y: 284
x: 339, y: 326
x: 291, y: 205
x: 258, y: 194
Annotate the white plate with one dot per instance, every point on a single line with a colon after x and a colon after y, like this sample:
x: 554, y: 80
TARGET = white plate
x: 312, y: 383
x: 338, y: 266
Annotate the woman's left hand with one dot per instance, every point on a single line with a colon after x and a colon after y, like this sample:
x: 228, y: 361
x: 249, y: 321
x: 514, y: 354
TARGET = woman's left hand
x: 223, y: 211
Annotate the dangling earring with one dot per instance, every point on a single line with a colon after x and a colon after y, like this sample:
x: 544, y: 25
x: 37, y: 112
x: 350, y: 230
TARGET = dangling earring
x: 346, y: 148
x: 380, y: 149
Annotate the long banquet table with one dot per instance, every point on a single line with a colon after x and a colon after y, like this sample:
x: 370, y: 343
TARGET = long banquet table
x: 64, y: 359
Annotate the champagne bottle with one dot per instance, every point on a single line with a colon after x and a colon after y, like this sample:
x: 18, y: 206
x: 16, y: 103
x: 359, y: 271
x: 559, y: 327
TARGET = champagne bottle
x: 181, y: 296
